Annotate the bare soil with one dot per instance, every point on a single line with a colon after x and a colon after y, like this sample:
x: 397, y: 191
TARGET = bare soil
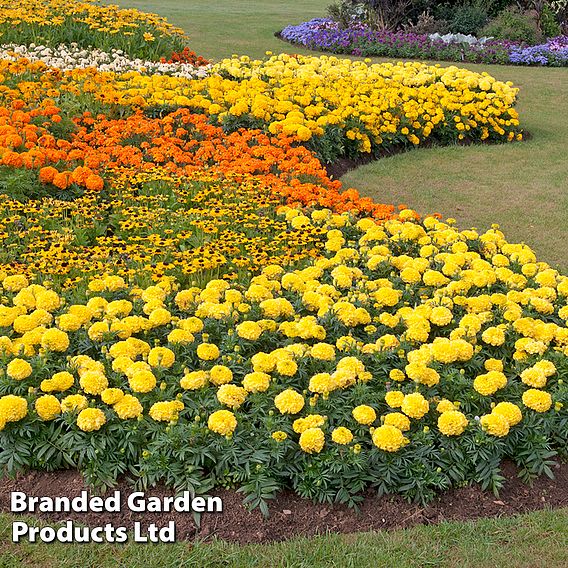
x: 291, y: 516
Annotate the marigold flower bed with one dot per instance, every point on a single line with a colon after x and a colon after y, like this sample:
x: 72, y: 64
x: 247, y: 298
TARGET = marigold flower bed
x: 188, y: 298
x: 411, y: 357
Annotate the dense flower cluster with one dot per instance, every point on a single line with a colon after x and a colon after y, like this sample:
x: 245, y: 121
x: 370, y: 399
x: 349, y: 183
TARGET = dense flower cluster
x: 414, y: 103
x: 554, y: 53
x: 68, y: 58
x: 386, y: 342
x: 358, y: 39
x: 90, y: 23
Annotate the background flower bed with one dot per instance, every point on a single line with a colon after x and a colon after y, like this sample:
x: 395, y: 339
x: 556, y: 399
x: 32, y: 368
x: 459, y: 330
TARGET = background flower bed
x: 89, y: 23
x: 243, y: 93
x: 325, y: 35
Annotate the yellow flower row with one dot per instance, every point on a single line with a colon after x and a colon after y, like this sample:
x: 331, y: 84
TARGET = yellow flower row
x: 398, y: 320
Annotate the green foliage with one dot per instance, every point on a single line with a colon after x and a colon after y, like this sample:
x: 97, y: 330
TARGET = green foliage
x: 548, y: 22
x: 468, y: 19
x: 514, y: 25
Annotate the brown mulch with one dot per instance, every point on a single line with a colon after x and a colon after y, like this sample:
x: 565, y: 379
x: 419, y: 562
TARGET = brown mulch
x: 293, y: 516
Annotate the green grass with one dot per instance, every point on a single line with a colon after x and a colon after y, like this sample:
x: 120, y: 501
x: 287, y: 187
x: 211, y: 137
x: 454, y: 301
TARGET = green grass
x: 220, y: 28
x: 538, y: 539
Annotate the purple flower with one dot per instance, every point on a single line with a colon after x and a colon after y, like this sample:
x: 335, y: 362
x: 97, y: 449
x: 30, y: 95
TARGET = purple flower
x: 325, y: 34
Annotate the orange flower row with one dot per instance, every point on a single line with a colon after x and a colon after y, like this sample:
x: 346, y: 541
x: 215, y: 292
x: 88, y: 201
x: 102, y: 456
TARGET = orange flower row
x: 181, y: 143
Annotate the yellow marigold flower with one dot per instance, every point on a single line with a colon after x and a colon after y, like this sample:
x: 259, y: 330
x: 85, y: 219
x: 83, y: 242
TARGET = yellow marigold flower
x: 547, y: 367
x: 323, y: 351
x: 55, y: 340
x: 493, y: 365
x: 18, y: 369
x: 422, y: 374
x: 452, y: 423
x: 342, y: 435
x: 397, y: 375
x: 166, y: 410
x: 286, y: 367
x: 312, y: 440
x: 445, y: 405
x: 222, y: 422
x: 364, y: 414
x: 394, y: 398
x: 13, y: 408
x: 192, y: 324
x: 208, y: 351
x: 289, y: 402
x: 161, y: 357
x: 389, y: 439
x: 142, y: 381
x: 534, y: 377
x: 69, y: 322
x: 159, y: 317
x: 495, y: 424
x: 91, y: 419
x: 73, y: 402
x: 15, y: 283
x: 220, y: 375
x: 47, y: 407
x: 279, y: 436
x: 59, y: 382
x: 398, y: 420
x: 537, y: 400
x: 121, y: 364
x: 93, y: 382
x: 98, y: 330
x: 256, y: 382
x: 490, y: 383
x: 194, y: 380
x: 323, y: 383
x: 180, y: 336
x: 231, y: 395
x: 493, y: 336
x: 249, y: 330
x: 441, y: 316
x: 310, y: 421
x: 111, y: 396
x: 263, y: 362
x: 127, y: 407
x: 415, y: 405
x: 511, y: 412
x: 410, y: 275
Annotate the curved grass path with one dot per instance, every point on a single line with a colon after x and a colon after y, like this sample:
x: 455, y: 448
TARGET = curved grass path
x: 523, y: 187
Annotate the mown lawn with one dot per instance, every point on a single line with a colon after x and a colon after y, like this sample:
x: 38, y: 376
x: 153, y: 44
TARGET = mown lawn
x: 220, y: 28
x: 535, y: 540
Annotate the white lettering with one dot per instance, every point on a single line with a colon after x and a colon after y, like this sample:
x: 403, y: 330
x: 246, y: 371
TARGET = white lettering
x: 18, y: 503
x: 19, y: 528
x: 198, y: 504
x: 136, y: 502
